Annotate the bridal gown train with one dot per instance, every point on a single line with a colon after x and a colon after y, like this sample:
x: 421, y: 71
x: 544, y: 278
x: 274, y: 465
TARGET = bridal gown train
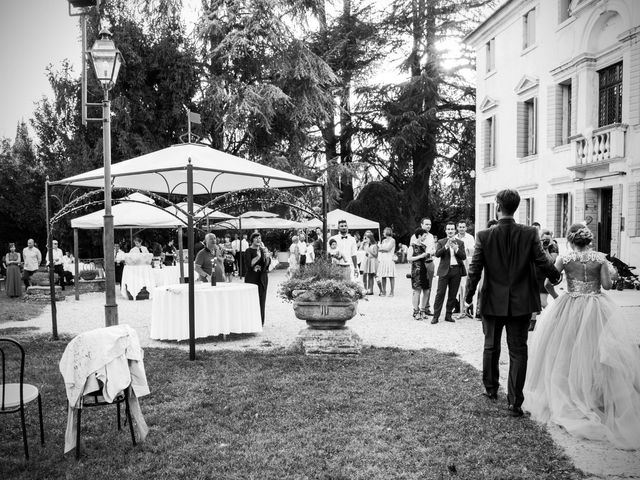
x: 584, y: 367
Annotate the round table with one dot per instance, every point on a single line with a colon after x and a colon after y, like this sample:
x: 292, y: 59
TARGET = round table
x: 223, y: 309
x: 166, y: 275
x: 135, y: 278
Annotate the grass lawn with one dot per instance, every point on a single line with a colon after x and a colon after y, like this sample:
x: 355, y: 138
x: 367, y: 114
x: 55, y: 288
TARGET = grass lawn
x: 248, y: 415
x: 14, y: 309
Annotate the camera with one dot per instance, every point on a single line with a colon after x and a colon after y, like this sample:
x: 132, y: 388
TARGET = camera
x: 546, y: 242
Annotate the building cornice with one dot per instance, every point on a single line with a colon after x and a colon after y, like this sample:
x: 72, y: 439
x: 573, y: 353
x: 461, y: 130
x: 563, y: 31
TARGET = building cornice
x: 529, y: 186
x: 483, y: 30
x: 487, y: 104
x: 573, y: 64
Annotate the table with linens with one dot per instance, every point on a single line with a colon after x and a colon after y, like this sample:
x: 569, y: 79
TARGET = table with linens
x: 223, y: 309
x: 166, y: 275
x: 135, y: 278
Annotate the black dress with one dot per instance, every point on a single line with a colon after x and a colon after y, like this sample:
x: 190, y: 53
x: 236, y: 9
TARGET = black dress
x: 260, y: 277
x: 419, y: 276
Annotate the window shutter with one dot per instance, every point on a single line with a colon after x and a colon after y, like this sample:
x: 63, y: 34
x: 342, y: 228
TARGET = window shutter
x: 532, y: 27
x: 534, y: 127
x: 521, y: 144
x: 492, y: 159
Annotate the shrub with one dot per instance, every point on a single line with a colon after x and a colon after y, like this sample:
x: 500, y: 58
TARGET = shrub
x: 320, y: 279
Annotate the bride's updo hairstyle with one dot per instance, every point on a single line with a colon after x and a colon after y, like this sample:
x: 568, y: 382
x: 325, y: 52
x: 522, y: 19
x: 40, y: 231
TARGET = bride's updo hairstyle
x: 579, y: 235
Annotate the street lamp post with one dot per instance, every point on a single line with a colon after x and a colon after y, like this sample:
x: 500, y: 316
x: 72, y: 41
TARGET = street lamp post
x: 107, y: 60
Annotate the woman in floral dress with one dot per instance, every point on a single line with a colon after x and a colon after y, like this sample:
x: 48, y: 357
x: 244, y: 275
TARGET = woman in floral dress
x: 12, y: 261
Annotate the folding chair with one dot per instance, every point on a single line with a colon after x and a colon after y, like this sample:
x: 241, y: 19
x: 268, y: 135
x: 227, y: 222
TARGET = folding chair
x: 14, y: 396
x: 95, y: 399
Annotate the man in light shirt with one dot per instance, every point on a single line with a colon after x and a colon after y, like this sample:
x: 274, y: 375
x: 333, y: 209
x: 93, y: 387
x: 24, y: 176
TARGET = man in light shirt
x: 430, y: 244
x: 347, y: 247
x: 32, y: 259
x: 451, y: 253
x: 469, y: 244
x: 58, y: 268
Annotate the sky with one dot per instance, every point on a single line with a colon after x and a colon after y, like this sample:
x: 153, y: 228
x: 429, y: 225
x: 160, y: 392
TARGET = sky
x: 33, y: 34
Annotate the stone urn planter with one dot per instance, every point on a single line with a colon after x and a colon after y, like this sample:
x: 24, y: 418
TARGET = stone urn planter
x: 325, y: 300
x: 41, y: 278
x: 88, y: 274
x: 324, y: 313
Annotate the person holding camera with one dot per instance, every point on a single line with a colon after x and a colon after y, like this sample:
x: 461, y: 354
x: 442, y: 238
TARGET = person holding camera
x: 418, y: 255
x: 550, y: 248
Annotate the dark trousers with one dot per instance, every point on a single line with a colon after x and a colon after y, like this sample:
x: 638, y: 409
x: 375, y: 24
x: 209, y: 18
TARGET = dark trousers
x: 119, y: 269
x: 517, y: 332
x: 262, y: 296
x: 26, y: 277
x: 452, y: 281
x: 59, y: 270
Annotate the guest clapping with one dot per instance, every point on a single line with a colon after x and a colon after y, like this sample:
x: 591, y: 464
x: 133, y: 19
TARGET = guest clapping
x: 256, y: 262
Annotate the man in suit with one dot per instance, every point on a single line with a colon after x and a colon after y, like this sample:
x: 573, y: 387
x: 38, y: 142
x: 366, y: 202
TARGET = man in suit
x: 508, y: 253
x: 451, y: 253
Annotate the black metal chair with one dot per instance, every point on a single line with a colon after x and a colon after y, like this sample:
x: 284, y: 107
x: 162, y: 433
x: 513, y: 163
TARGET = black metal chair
x: 14, y: 396
x: 95, y: 399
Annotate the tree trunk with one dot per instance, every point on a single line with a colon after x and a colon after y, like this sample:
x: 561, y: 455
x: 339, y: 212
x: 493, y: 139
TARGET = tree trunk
x: 423, y: 157
x: 346, y: 126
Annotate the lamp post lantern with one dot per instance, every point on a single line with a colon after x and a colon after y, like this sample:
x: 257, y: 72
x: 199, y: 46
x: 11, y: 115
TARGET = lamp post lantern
x: 107, y: 60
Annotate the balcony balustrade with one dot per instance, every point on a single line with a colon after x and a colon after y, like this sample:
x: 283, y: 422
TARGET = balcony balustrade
x: 605, y: 145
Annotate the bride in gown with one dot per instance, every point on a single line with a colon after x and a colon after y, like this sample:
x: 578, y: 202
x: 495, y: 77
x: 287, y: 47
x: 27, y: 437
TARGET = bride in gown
x: 584, y: 367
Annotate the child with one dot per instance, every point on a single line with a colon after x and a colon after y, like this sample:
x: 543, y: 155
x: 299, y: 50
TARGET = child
x: 333, y: 252
x: 229, y: 265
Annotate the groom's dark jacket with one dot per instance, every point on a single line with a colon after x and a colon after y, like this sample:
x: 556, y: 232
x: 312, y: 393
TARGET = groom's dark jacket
x: 508, y: 254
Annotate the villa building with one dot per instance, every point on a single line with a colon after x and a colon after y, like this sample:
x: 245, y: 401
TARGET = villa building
x: 558, y: 116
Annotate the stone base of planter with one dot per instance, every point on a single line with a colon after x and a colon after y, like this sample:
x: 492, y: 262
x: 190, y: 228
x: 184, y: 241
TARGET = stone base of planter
x: 38, y: 294
x: 87, y: 286
x: 340, y: 343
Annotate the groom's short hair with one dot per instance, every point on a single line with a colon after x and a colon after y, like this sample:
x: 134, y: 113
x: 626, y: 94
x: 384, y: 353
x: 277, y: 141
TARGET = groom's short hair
x: 508, y: 200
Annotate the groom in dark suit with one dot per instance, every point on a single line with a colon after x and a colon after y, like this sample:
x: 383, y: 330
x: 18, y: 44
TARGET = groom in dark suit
x: 508, y: 254
x: 452, y: 254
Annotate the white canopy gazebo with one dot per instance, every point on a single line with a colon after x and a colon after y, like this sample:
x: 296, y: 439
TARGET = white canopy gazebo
x: 257, y: 221
x: 190, y: 169
x: 353, y: 221
x: 134, y: 211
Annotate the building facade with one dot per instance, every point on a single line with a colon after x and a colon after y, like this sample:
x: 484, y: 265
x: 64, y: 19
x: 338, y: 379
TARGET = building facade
x: 558, y: 116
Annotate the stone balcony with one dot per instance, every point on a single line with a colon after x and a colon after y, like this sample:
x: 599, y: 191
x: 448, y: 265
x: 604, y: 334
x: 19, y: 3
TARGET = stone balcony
x: 605, y: 147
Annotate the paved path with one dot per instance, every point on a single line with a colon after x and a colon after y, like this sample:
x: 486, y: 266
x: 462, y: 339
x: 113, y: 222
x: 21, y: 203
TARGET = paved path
x: 381, y: 322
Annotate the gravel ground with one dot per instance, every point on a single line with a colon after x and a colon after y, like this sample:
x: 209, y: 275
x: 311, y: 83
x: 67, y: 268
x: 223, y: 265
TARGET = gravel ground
x: 381, y: 322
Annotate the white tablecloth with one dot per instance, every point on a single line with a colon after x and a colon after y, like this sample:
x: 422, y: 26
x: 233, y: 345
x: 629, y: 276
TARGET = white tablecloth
x: 166, y: 275
x: 134, y: 277
x: 225, y: 308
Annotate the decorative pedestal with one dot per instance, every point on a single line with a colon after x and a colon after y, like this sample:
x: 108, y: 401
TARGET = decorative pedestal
x: 42, y: 294
x: 336, y: 343
x: 87, y: 286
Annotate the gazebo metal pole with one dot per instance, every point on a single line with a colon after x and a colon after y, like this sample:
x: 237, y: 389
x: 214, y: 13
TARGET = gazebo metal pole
x: 192, y: 313
x: 241, y: 262
x: 52, y: 285
x: 324, y: 217
x: 76, y: 266
x: 180, y: 256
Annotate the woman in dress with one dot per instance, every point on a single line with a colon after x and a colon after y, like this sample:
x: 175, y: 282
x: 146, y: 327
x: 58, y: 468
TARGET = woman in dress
x: 584, y: 367
x: 370, y: 262
x: 256, y: 262
x: 417, y: 254
x: 302, y: 249
x: 386, y: 265
x: 12, y: 262
x: 294, y: 256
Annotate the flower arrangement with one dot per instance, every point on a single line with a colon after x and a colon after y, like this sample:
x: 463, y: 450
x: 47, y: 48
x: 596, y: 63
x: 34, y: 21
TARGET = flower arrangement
x: 320, y: 279
x: 88, y: 274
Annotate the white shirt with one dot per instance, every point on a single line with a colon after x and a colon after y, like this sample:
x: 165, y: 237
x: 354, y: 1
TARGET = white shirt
x: 429, y: 243
x: 347, y: 247
x: 140, y: 249
x: 469, y: 243
x: 32, y: 258
x: 57, y: 256
x: 236, y: 245
x: 244, y: 245
x: 120, y: 257
x: 302, y: 247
